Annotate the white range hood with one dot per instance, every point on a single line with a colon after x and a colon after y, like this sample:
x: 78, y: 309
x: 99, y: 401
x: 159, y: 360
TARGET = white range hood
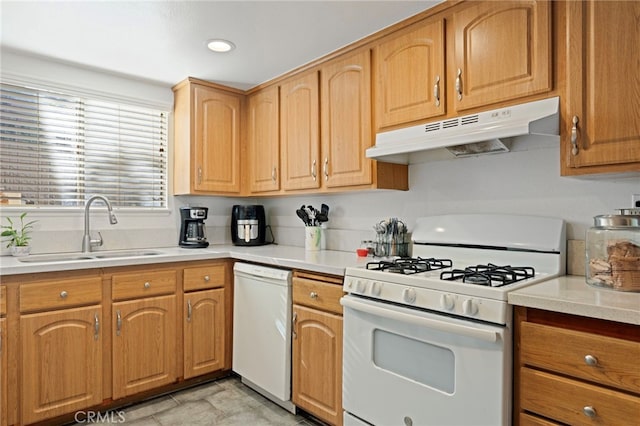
x: 471, y: 134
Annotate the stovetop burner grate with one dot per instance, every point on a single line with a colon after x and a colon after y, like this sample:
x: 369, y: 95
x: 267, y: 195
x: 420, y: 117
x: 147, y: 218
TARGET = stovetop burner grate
x: 410, y: 265
x: 489, y: 275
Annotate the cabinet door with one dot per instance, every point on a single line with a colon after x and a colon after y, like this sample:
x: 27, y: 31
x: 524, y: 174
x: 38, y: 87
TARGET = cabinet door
x: 3, y: 376
x: 144, y: 344
x: 346, y: 121
x: 502, y: 52
x: 204, y: 332
x: 263, y: 135
x: 300, y: 132
x: 603, y: 84
x: 217, y: 140
x: 410, y: 75
x: 317, y: 363
x: 61, y: 362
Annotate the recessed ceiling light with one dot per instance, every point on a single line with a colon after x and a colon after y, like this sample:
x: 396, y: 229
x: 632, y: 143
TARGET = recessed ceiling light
x: 220, y: 45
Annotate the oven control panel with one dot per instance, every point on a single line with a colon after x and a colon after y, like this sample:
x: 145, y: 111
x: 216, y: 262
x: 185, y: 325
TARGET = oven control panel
x: 495, y: 311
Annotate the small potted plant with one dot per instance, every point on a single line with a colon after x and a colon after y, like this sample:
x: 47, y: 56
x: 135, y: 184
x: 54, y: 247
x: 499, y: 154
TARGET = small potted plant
x: 18, y: 236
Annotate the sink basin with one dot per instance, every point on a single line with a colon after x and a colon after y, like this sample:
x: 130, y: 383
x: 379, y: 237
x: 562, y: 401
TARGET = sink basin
x: 67, y: 257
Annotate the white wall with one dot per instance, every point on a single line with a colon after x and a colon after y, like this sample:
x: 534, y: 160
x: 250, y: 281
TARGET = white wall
x: 525, y: 181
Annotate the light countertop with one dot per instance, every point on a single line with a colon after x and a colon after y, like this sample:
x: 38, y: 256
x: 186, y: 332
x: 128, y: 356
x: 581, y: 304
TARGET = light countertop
x: 323, y: 261
x: 568, y: 294
x: 571, y: 295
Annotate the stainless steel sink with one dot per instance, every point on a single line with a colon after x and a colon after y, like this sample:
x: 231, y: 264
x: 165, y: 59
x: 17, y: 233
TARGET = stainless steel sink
x: 67, y: 257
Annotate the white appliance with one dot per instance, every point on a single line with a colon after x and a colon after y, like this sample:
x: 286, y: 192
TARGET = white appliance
x: 262, y: 330
x: 428, y: 340
x: 473, y: 134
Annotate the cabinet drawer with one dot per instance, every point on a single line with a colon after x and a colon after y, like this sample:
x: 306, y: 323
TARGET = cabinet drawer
x: 529, y: 420
x: 568, y: 400
x: 143, y: 284
x: 601, y: 359
x: 60, y: 294
x: 317, y: 294
x: 204, y: 277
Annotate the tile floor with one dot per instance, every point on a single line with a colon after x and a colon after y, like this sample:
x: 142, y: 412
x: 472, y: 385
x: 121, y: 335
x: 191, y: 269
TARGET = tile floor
x: 225, y: 402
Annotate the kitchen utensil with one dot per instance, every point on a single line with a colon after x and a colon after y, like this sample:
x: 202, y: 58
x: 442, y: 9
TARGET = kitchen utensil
x: 302, y: 214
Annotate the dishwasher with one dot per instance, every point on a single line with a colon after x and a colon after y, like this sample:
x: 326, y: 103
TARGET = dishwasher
x: 262, y: 331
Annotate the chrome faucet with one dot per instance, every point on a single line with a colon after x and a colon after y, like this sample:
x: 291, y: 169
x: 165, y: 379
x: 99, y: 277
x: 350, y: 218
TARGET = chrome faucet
x: 87, y: 242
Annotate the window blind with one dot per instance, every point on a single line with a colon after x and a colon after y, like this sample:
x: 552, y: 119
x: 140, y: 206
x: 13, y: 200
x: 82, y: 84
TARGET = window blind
x: 58, y: 150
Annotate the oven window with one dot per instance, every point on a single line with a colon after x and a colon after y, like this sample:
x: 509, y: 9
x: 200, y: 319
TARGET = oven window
x: 420, y: 361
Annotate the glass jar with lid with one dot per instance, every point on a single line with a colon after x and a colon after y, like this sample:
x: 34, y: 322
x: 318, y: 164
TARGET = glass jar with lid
x: 613, y: 251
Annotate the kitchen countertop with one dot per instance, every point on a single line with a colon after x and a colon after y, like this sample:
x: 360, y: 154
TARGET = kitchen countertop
x: 568, y: 294
x: 571, y: 295
x: 323, y: 261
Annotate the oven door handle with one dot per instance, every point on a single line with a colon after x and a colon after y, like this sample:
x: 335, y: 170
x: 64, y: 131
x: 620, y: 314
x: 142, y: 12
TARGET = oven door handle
x: 475, y: 333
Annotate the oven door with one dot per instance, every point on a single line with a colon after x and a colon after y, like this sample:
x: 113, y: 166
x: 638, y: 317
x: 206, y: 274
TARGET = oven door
x: 404, y: 366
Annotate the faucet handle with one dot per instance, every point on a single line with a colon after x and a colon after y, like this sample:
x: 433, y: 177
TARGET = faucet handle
x: 98, y: 241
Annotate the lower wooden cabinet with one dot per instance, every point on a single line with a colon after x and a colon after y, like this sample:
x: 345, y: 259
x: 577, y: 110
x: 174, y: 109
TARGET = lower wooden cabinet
x: 317, y: 346
x: 61, y: 362
x: 204, y: 332
x: 3, y: 369
x: 144, y: 344
x: 575, y: 370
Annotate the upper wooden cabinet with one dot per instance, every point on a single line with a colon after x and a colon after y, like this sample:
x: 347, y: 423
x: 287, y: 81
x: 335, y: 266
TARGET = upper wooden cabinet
x: 502, y: 52
x: 494, y: 52
x: 601, y: 126
x: 345, y: 121
x: 300, y: 131
x: 207, y: 138
x: 263, y: 140
x: 410, y: 74
x: 324, y: 138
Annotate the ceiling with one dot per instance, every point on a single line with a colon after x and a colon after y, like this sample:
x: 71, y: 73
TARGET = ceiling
x: 165, y: 41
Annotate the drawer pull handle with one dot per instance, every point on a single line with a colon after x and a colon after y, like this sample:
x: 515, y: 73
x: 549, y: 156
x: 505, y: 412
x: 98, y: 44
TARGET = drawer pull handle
x: 589, y: 411
x: 313, y: 295
x: 147, y: 284
x: 63, y: 294
x: 207, y: 278
x: 591, y: 360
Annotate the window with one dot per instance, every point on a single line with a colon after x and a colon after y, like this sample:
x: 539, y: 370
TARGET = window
x: 58, y: 150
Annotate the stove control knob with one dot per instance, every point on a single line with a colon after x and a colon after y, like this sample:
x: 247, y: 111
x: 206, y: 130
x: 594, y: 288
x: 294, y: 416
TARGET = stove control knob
x: 447, y: 302
x: 409, y: 295
x: 376, y: 288
x: 469, y: 307
x: 360, y: 286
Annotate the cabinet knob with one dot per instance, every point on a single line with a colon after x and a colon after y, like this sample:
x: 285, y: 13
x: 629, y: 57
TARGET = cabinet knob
x: 436, y: 91
x: 313, y: 170
x: 63, y: 294
x: 313, y: 295
x: 207, y: 278
x: 326, y: 168
x: 589, y: 411
x: 591, y: 360
x: 147, y: 284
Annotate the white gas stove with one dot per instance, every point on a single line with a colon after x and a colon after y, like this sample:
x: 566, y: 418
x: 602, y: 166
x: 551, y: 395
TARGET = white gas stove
x: 466, y: 264
x: 428, y: 340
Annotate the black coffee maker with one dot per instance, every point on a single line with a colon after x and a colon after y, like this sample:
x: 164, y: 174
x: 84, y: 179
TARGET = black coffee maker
x: 248, y: 225
x: 192, y: 229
